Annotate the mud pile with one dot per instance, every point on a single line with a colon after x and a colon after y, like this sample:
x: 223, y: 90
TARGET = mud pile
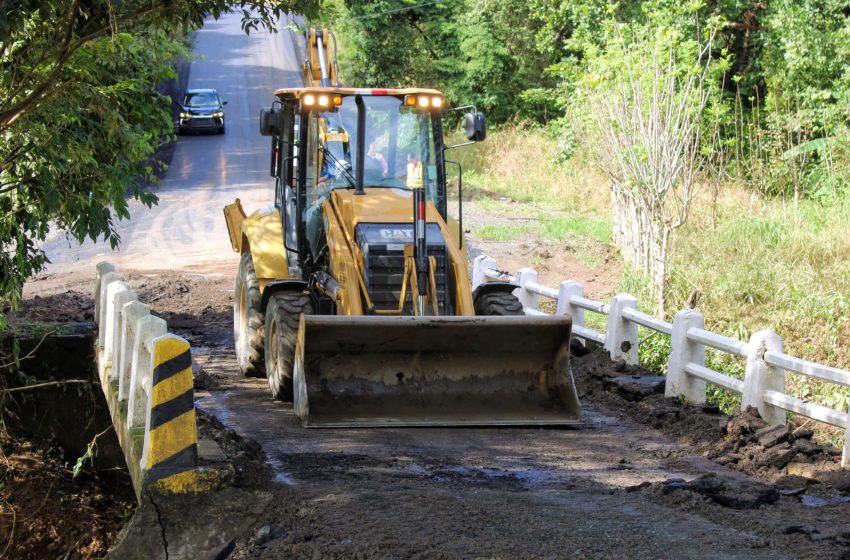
x: 742, y: 441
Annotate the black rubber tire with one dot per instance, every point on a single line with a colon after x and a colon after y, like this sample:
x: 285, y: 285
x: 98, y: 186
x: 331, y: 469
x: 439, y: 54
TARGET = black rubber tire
x: 248, y: 320
x: 498, y: 303
x: 283, y: 315
x: 221, y: 130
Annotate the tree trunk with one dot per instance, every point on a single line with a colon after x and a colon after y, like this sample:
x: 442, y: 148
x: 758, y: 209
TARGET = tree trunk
x: 642, y: 241
x: 660, y: 246
x: 629, y: 226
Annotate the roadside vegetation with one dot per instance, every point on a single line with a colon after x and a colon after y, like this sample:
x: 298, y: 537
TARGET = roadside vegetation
x: 81, y: 118
x: 759, y: 262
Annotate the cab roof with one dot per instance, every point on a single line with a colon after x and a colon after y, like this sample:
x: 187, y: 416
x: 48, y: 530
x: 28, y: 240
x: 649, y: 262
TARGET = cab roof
x: 298, y: 92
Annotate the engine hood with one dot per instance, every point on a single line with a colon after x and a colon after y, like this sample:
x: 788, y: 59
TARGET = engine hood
x: 380, y: 206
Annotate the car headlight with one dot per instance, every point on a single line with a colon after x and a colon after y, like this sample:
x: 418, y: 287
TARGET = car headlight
x: 185, y: 115
x: 218, y: 114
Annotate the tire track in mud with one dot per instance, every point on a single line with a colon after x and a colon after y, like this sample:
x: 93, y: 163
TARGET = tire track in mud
x: 393, y: 491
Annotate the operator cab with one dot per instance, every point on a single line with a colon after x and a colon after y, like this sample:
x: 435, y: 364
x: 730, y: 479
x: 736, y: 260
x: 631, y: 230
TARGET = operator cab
x: 351, y: 139
x: 375, y: 148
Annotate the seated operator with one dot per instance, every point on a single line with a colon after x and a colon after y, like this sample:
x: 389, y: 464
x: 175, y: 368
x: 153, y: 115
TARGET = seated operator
x: 378, y: 158
x: 414, y: 171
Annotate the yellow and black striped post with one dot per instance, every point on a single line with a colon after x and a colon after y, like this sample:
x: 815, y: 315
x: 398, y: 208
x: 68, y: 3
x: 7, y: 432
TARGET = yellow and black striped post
x: 171, y: 442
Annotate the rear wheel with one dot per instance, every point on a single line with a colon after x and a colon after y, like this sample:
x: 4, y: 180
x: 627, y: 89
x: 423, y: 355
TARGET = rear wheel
x: 248, y: 319
x: 498, y: 303
x: 282, y: 317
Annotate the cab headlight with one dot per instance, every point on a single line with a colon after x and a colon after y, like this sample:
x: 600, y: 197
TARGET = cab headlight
x: 218, y: 114
x: 185, y: 115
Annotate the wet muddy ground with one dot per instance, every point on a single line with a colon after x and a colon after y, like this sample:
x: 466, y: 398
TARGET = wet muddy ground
x: 644, y: 476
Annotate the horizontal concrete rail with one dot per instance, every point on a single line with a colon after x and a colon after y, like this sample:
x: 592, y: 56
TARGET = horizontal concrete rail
x: 810, y: 369
x: 146, y: 376
x: 763, y: 385
x: 726, y: 344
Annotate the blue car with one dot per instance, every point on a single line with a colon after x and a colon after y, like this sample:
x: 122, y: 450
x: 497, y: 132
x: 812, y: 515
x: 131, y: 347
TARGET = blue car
x: 201, y: 109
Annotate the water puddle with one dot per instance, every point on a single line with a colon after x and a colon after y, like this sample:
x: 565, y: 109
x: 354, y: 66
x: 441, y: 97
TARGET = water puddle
x: 280, y: 475
x: 527, y: 477
x: 815, y: 501
x: 215, y: 404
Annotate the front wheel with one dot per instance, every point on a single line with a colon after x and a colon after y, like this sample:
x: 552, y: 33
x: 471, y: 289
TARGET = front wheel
x: 283, y: 315
x: 248, y: 319
x: 498, y: 303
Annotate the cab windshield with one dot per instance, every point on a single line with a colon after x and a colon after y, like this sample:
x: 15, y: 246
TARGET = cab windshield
x: 399, y: 147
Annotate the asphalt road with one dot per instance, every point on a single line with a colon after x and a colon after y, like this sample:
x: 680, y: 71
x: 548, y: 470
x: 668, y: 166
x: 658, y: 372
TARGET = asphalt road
x: 187, y: 229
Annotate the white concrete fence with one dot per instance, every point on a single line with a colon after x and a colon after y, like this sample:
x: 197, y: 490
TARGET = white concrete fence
x: 125, y: 342
x: 763, y: 386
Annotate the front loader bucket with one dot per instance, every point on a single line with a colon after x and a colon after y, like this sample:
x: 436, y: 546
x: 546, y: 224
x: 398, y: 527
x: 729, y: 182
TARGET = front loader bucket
x: 434, y: 371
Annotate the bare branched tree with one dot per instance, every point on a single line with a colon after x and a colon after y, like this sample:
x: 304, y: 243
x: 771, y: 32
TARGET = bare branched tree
x: 645, y: 125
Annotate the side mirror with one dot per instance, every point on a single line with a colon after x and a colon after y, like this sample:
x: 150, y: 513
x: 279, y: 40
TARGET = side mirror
x: 224, y: 102
x: 476, y: 127
x: 268, y: 121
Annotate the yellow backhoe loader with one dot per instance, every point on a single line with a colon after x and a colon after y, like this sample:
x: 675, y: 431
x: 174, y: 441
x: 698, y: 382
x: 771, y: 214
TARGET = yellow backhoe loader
x: 353, y: 294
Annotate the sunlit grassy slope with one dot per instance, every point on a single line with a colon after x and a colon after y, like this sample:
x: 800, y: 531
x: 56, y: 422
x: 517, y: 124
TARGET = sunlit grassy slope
x: 758, y: 263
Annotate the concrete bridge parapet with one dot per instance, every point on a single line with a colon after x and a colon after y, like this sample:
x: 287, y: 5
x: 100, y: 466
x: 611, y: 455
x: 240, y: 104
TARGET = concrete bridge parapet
x: 146, y: 376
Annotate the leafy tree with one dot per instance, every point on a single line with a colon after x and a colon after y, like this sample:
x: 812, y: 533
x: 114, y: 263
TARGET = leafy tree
x: 476, y: 51
x: 396, y: 44
x: 79, y: 115
x: 806, y: 57
x: 645, y: 105
x: 504, y: 71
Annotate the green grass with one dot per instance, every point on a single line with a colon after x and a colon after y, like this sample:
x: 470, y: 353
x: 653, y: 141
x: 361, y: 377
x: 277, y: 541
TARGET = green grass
x: 39, y: 328
x: 758, y: 263
x: 571, y: 226
x: 501, y: 233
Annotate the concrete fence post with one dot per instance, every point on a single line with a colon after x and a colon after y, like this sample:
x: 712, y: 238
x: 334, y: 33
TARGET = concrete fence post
x: 102, y: 325
x: 528, y: 299
x: 102, y: 269
x: 761, y: 376
x: 621, y: 338
x: 683, y: 352
x: 845, y: 455
x: 171, y: 443
x: 113, y: 289
x: 121, y: 298
x: 133, y: 312
x: 480, y: 264
x: 141, y: 369
x: 569, y: 289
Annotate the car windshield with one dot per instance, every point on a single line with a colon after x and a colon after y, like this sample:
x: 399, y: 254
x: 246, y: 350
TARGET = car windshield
x: 200, y: 99
x: 399, y: 146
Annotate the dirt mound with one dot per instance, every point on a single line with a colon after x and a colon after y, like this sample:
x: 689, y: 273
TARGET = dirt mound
x: 66, y: 308
x: 742, y: 441
x: 47, y: 513
x: 723, y: 491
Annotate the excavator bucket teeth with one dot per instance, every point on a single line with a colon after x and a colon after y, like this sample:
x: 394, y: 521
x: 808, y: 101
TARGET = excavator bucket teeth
x: 434, y: 371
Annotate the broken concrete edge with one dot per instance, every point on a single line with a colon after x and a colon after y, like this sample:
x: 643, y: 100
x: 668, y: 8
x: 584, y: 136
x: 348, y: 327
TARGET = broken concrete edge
x: 191, y: 526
